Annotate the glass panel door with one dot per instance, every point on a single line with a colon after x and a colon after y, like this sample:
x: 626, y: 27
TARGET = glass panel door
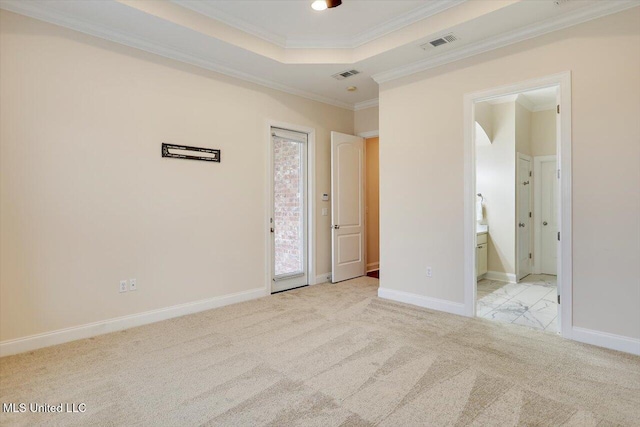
x: 289, y: 220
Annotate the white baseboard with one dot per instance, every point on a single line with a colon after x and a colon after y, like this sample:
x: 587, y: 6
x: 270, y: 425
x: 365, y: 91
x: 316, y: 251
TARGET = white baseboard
x: 88, y: 330
x: 373, y: 266
x: 500, y: 276
x: 322, y: 278
x: 606, y: 340
x: 422, y: 301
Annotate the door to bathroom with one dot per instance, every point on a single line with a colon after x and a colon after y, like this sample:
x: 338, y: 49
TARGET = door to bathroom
x: 524, y: 214
x: 546, y: 229
x: 288, y: 222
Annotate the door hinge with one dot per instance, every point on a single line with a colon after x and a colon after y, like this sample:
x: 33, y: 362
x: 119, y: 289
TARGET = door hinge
x: 558, y: 235
x: 558, y: 298
x: 558, y: 108
x: 530, y: 173
x: 529, y: 256
x: 529, y: 214
x: 558, y: 173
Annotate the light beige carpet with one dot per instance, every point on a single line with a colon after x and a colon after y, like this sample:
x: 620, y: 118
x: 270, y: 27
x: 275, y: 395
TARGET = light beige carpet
x: 327, y: 355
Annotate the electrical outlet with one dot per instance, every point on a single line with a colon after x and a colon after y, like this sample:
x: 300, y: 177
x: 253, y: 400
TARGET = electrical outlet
x: 133, y: 286
x: 429, y: 272
x: 325, y: 211
x: 123, y: 286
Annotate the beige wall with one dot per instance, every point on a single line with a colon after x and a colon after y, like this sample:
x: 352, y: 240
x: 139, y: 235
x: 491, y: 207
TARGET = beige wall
x: 87, y: 200
x: 543, y: 133
x: 373, y: 205
x: 422, y: 177
x: 523, y: 130
x: 366, y: 120
x: 495, y: 180
x: 484, y: 117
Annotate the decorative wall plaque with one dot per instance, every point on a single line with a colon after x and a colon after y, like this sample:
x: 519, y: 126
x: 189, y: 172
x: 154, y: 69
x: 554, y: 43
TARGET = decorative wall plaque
x: 190, y: 153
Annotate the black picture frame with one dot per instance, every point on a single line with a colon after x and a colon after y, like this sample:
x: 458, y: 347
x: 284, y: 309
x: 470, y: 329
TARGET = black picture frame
x: 166, y: 147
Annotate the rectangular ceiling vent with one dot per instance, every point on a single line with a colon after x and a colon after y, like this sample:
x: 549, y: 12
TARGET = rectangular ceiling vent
x: 561, y: 2
x: 343, y: 75
x: 449, y: 38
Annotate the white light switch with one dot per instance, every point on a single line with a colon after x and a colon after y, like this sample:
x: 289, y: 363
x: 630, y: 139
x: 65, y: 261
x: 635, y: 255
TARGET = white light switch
x: 325, y: 211
x: 325, y: 197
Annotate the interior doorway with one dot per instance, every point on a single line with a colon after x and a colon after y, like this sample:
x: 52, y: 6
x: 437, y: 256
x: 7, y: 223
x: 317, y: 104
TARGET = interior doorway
x: 511, y: 133
x: 372, y: 205
x: 524, y: 235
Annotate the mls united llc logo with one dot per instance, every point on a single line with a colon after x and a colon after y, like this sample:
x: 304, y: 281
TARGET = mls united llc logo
x: 44, y: 407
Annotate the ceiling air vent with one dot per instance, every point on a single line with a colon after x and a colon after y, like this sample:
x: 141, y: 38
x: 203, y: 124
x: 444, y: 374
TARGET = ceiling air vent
x: 449, y: 38
x: 343, y: 75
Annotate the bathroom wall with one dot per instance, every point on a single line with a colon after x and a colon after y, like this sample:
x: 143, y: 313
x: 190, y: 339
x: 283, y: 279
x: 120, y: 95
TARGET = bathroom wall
x: 523, y: 129
x: 543, y: 133
x: 484, y: 116
x: 495, y: 179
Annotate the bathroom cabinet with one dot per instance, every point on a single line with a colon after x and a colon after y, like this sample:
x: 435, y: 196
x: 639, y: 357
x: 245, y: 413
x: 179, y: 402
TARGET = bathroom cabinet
x: 481, y: 255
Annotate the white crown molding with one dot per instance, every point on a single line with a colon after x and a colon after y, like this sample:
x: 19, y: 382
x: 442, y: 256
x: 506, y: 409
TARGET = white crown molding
x: 503, y: 99
x: 206, y: 9
x: 38, y: 11
x: 366, y: 104
x: 380, y: 30
x: 584, y: 14
x: 544, y: 107
x: 525, y: 102
x: 394, y: 24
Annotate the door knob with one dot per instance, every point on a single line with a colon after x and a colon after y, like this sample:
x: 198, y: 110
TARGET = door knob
x: 337, y: 227
x: 545, y: 223
x: 521, y: 224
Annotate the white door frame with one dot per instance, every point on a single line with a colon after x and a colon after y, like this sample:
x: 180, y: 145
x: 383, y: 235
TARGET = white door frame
x: 311, y: 194
x: 537, y: 199
x: 517, y: 248
x: 367, y: 135
x: 563, y: 81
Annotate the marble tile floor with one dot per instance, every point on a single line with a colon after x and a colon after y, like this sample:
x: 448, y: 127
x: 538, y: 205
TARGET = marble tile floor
x: 532, y: 302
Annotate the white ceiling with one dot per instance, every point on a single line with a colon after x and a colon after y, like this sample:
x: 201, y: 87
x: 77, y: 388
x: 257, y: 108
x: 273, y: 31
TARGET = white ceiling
x: 541, y: 99
x: 170, y: 29
x: 533, y: 100
x: 294, y: 23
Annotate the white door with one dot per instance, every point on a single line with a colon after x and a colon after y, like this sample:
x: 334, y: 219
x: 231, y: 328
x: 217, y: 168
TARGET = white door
x: 548, y: 220
x: 347, y: 207
x: 523, y: 216
x: 289, y: 210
